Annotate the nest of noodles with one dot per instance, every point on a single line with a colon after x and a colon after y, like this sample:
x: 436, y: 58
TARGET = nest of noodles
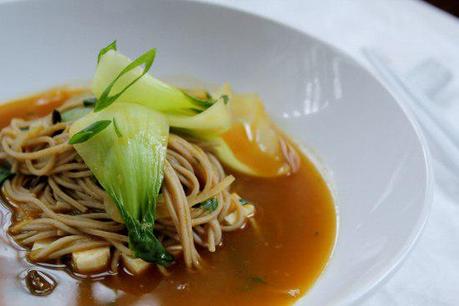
x: 57, y: 199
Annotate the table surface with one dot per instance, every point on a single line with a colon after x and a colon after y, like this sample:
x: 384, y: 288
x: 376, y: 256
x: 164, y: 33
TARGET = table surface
x: 409, y: 35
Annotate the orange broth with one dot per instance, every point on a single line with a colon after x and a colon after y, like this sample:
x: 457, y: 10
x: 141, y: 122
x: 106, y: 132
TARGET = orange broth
x: 272, y: 261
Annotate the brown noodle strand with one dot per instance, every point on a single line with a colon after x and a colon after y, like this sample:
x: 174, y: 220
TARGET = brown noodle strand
x: 115, y: 261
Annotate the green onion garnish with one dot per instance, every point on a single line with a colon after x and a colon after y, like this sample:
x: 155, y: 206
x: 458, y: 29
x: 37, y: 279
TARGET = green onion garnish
x: 5, y: 173
x: 243, y: 201
x: 89, y: 132
x: 89, y: 102
x: 209, y: 204
x: 145, y: 59
x: 56, y: 117
x: 111, y: 46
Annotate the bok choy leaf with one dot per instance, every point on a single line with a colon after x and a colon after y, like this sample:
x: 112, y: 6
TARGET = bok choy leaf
x: 129, y: 166
x: 148, y: 91
x: 118, y: 77
x: 107, y: 97
x: 212, y: 122
x: 75, y: 113
x: 90, y: 131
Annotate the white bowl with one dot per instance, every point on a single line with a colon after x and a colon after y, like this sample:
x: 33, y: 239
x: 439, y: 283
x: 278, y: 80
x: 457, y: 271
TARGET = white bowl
x: 368, y: 145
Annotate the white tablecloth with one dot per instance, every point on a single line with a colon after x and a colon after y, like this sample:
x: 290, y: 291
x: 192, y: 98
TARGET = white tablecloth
x: 421, y: 44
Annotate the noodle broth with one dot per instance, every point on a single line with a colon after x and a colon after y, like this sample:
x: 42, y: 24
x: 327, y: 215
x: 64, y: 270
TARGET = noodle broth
x: 272, y: 261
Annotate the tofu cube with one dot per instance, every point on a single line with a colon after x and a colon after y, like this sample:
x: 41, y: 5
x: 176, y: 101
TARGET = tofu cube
x: 135, y: 265
x: 93, y: 260
x: 231, y: 218
x: 248, y: 209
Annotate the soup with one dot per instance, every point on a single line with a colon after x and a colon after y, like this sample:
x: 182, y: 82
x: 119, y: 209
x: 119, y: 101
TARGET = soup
x: 273, y: 263
x: 135, y: 192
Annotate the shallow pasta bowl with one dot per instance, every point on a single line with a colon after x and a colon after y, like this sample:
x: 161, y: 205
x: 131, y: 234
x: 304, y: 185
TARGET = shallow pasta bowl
x: 368, y: 147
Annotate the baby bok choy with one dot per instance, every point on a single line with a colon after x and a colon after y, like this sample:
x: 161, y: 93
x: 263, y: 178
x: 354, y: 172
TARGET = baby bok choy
x: 117, y: 76
x: 148, y: 91
x: 124, y: 146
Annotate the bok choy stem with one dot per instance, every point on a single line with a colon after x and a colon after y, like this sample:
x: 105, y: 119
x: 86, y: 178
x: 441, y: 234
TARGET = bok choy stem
x: 130, y: 169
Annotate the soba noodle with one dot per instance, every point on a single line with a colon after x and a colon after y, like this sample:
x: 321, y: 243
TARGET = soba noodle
x: 56, y: 197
